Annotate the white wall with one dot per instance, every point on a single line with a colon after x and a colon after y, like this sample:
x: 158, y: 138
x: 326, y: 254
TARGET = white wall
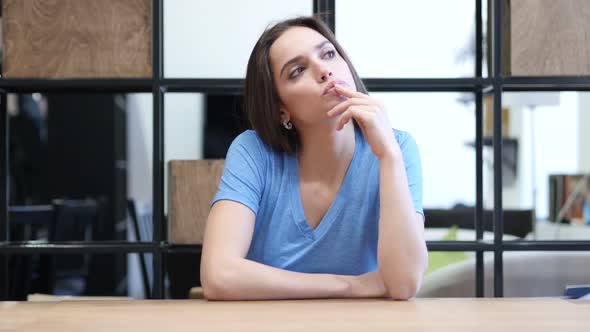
x: 584, y: 131
x: 400, y: 38
x: 213, y: 39
x: 442, y: 127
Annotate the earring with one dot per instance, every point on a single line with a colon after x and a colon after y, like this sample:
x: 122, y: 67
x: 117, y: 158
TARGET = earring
x: 287, y: 124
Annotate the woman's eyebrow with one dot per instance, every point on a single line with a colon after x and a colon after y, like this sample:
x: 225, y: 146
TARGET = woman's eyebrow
x: 299, y: 57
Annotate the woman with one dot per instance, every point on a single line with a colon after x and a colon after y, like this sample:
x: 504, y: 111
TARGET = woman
x: 322, y: 199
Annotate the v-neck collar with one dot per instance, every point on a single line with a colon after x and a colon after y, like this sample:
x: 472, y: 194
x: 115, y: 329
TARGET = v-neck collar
x: 335, y: 207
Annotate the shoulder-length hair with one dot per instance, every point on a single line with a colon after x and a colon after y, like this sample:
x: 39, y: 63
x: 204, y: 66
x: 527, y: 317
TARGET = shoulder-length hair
x: 261, y: 99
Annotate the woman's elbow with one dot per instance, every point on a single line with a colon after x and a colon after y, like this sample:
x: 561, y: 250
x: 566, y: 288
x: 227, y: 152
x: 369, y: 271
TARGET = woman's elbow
x: 212, y: 291
x: 409, y: 288
x: 406, y: 290
x: 212, y: 288
x: 216, y: 284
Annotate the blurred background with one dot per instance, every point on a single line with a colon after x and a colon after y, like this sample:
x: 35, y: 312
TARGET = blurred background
x: 88, y: 157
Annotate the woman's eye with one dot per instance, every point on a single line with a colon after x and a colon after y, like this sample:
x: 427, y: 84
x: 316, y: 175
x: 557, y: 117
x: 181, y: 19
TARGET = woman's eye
x: 330, y: 54
x: 296, y: 72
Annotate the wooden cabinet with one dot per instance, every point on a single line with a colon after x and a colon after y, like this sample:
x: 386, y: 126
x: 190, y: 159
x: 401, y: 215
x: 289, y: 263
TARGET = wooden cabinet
x: 546, y: 38
x: 77, y: 39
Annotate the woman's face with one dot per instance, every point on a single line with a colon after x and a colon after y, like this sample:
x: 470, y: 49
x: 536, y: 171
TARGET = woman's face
x: 304, y: 64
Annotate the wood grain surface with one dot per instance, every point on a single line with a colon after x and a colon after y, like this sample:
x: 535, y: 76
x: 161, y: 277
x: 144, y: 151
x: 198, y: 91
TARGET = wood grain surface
x: 192, y: 184
x: 77, y: 38
x: 457, y: 315
x: 549, y: 37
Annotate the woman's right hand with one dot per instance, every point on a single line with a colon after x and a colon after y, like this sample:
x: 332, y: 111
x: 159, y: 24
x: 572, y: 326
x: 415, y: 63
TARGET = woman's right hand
x: 368, y: 285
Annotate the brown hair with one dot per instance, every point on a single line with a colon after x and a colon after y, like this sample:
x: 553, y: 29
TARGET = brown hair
x: 261, y: 99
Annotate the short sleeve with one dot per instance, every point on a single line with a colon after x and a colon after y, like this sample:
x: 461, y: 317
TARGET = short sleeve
x: 243, y: 179
x: 413, y: 165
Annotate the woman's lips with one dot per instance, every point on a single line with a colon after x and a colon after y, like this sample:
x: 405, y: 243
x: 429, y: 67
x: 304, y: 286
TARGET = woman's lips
x: 330, y: 87
x: 331, y: 92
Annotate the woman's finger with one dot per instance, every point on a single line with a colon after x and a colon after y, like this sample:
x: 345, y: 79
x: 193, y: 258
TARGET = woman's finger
x: 359, y: 113
x: 346, y: 116
x: 345, y: 91
x: 346, y: 104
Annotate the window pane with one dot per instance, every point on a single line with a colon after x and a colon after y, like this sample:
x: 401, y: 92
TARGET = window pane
x: 200, y: 126
x: 443, y: 125
x: 196, y: 126
x: 398, y: 38
x: 213, y: 39
x: 76, y: 154
x: 140, y: 138
x: 183, y: 130
x: 551, y: 130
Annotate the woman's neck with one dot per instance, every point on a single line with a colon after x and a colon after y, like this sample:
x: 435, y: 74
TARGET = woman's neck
x: 326, y: 154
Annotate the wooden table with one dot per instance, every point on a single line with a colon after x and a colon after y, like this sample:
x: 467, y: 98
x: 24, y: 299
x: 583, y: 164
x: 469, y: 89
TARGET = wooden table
x: 515, y: 314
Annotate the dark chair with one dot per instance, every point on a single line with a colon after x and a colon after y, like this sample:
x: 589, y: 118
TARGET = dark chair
x: 75, y: 220
x: 142, y: 227
x: 516, y: 222
x: 29, y: 273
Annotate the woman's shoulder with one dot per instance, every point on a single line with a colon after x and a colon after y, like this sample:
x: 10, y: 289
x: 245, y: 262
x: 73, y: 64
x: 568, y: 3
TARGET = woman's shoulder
x: 403, y: 137
x: 247, y: 137
x: 407, y: 143
x: 250, y: 142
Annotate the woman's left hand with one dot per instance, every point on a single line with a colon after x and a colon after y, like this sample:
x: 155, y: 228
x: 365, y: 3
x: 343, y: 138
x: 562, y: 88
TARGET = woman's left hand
x: 372, y: 119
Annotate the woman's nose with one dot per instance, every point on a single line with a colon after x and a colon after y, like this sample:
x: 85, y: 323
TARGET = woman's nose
x: 325, y: 74
x: 321, y: 69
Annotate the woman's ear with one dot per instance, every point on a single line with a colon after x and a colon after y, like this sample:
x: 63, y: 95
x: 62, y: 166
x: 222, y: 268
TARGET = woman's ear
x: 285, y: 117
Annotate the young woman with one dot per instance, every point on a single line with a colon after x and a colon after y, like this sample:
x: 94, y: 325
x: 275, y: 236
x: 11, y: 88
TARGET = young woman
x: 323, y: 199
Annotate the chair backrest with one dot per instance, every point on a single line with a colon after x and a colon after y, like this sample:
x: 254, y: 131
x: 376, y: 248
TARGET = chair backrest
x: 37, y: 215
x: 192, y: 184
x: 30, y: 222
x: 76, y: 220
x: 25, y: 224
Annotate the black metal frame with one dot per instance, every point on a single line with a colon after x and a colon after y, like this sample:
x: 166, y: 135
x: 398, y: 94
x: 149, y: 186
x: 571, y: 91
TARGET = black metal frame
x: 158, y: 148
x: 158, y: 86
x: 478, y: 222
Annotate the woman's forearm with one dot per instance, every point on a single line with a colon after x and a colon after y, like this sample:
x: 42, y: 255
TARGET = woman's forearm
x: 402, y: 253
x: 243, y: 279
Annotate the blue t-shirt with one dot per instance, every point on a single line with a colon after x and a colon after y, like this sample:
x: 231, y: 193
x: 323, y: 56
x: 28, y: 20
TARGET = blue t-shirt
x: 345, y: 240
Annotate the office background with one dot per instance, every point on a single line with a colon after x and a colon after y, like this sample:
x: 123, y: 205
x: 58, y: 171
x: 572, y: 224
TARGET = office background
x: 206, y: 45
